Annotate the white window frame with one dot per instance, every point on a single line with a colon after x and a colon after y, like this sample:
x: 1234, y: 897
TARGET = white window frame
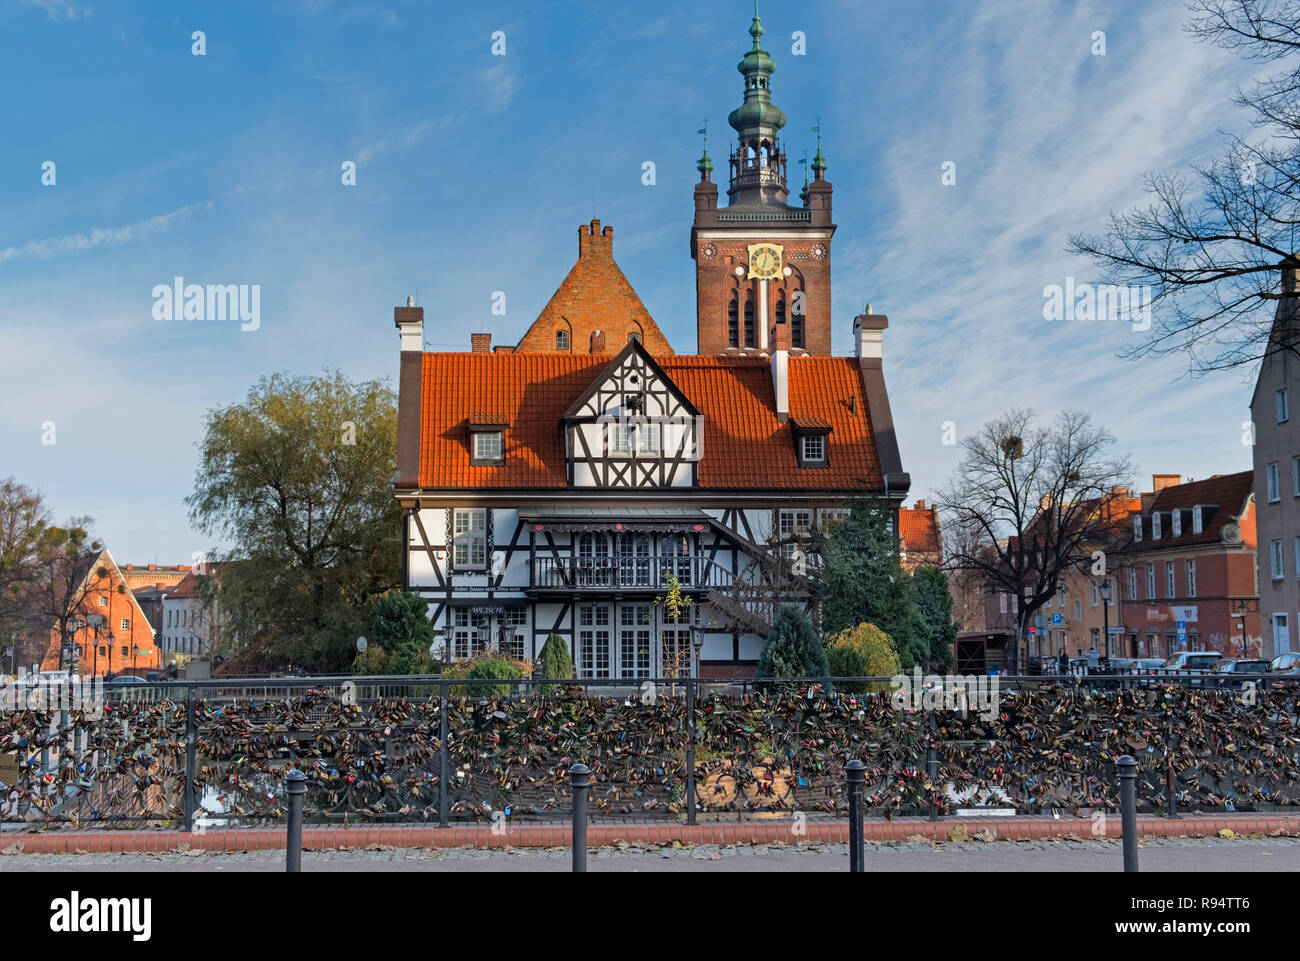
x: 1198, y: 520
x: 1297, y: 555
x: 1155, y: 526
x: 1177, y: 523
x: 1093, y: 585
x: 1191, y: 577
x: 489, y: 445
x: 1277, y: 561
x: 1282, y: 405
x: 469, y: 538
x: 814, y: 448
x: 1137, y: 527
x: 1274, y: 486
x: 1295, y: 476
x: 1151, y: 582
x: 1132, y: 584
x: 1171, y: 580
x: 1281, y: 620
x: 1078, y: 611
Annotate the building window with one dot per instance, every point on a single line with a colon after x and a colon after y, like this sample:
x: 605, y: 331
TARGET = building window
x: 1283, y: 408
x: 1169, y: 579
x: 814, y: 448
x: 1137, y: 527
x: 124, y: 624
x: 1295, y: 476
x: 1177, y: 523
x: 1281, y: 634
x: 796, y: 321
x: 125, y: 650
x: 467, y: 633
x: 1002, y: 602
x: 593, y: 641
x: 733, y: 322
x: 1155, y: 526
x: 1132, y: 584
x: 1151, y: 582
x: 1198, y: 521
x: 1277, y: 565
x: 1078, y: 613
x: 511, y: 627
x: 795, y: 523
x: 561, y: 340
x: 1274, y: 488
x: 487, y: 445
x: 1093, y: 585
x: 1297, y: 556
x: 830, y: 516
x: 749, y: 322
x: 1191, y: 578
x: 780, y: 309
x: 103, y: 601
x: 470, y: 542
x: 1060, y: 598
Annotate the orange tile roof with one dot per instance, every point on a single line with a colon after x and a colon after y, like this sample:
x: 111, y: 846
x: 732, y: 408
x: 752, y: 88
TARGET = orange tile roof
x: 745, y: 446
x: 919, y: 529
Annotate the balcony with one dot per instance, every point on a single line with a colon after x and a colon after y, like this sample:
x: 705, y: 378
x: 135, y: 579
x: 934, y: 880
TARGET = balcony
x: 583, y: 574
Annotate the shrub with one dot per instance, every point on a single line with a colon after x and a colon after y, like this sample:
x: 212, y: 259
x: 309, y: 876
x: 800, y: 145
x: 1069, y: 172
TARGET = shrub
x: 555, y: 662
x: 792, y: 648
x: 863, y: 651
x: 492, y: 668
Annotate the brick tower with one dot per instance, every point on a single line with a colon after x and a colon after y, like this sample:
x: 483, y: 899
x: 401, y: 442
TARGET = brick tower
x: 759, y: 261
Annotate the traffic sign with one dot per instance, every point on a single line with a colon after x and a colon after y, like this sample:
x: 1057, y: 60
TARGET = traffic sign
x: 1058, y: 619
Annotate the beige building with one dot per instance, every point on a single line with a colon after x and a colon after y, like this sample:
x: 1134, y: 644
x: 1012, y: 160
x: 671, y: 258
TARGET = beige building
x: 1277, y: 476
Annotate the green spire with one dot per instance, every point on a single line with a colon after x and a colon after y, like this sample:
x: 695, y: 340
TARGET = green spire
x: 756, y: 30
x: 705, y: 165
x: 819, y: 162
x: 757, y: 111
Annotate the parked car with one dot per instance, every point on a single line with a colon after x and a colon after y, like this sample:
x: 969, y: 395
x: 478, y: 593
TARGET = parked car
x: 1234, y: 672
x: 1287, y: 663
x: 126, y: 680
x: 1192, y: 661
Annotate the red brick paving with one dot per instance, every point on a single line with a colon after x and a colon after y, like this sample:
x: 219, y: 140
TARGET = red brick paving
x: 554, y: 834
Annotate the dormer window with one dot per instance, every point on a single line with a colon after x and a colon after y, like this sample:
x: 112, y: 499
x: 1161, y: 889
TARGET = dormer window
x: 1198, y: 522
x: 1177, y: 523
x: 810, y: 440
x: 487, y: 440
x: 1155, y: 526
x: 1137, y: 527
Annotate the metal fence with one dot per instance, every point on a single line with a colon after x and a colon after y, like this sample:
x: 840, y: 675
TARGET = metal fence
x: 210, y: 753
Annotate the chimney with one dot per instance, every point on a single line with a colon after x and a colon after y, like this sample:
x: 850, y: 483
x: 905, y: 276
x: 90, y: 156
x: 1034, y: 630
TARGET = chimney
x: 780, y: 362
x: 480, y: 343
x: 152, y: 567
x: 1160, y: 481
x: 920, y: 504
x: 868, y: 330
x: 594, y: 241
x: 409, y: 320
x: 130, y: 567
x: 597, y: 341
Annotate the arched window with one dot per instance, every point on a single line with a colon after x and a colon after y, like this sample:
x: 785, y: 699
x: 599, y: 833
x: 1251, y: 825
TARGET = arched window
x: 780, y: 309
x: 749, y: 322
x: 733, y: 322
x: 796, y: 328
x: 561, y: 340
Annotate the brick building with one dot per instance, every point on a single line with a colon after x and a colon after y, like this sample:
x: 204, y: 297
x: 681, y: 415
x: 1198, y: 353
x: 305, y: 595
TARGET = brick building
x: 919, y: 544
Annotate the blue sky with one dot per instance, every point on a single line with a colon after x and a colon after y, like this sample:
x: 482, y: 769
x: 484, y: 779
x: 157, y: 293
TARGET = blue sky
x: 474, y: 170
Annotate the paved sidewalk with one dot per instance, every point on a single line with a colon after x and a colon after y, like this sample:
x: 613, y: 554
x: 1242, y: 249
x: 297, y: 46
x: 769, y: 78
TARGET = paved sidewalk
x: 540, y: 834
x: 1181, y: 855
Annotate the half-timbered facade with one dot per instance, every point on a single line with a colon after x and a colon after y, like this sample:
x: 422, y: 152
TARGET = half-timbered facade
x: 564, y: 487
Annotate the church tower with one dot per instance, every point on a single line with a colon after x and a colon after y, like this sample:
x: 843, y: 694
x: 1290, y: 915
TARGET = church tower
x: 762, y: 266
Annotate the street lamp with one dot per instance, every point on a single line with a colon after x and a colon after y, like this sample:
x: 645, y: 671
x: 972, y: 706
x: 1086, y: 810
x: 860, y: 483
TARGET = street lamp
x: 1242, y: 608
x: 1106, y: 591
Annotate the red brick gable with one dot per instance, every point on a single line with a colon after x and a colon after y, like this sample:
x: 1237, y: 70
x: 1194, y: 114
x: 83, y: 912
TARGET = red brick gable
x: 745, y: 445
x: 918, y: 527
x: 594, y: 297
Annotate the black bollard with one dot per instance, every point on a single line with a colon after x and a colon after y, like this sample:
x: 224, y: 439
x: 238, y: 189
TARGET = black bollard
x: 855, y: 773
x: 932, y: 768
x: 1127, y: 770
x: 1171, y: 785
x: 296, y: 787
x: 580, y: 779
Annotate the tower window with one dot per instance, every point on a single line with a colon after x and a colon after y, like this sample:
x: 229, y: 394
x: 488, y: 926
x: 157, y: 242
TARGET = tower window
x: 796, y: 323
x: 780, y: 310
x: 733, y: 322
x: 561, y: 340
x: 749, y: 323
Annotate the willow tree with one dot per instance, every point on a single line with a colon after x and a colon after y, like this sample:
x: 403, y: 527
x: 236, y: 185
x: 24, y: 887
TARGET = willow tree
x: 297, y: 480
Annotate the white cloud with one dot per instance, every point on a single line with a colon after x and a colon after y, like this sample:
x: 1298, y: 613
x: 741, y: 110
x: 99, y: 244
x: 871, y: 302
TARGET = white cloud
x: 76, y: 244
x: 499, y: 86
x: 61, y: 9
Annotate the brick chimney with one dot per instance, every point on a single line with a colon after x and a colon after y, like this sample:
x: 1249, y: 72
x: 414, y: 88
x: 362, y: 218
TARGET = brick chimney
x: 480, y: 343
x: 595, y: 242
x: 920, y: 503
x: 409, y: 321
x: 1160, y: 481
x: 597, y: 341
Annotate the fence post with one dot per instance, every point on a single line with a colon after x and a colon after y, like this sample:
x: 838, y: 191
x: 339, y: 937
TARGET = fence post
x: 690, y: 750
x: 1171, y: 788
x: 580, y: 780
x: 443, y: 756
x: 1127, y: 769
x: 932, y: 768
x: 856, y: 775
x: 297, y: 790
x: 191, y: 733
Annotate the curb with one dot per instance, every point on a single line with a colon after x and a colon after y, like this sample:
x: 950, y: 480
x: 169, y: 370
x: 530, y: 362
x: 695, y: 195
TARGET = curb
x: 559, y: 834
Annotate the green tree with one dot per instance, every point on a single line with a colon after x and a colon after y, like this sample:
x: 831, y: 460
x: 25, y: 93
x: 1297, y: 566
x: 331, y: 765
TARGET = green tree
x: 297, y: 479
x: 402, y: 628
x: 935, y: 603
x: 24, y: 520
x: 863, y: 581
x: 862, y: 651
x: 556, y: 662
x: 496, y: 669
x: 792, y: 648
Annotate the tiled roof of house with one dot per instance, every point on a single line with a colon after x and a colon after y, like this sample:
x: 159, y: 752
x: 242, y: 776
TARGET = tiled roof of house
x: 1228, y: 494
x: 745, y: 446
x: 919, y: 529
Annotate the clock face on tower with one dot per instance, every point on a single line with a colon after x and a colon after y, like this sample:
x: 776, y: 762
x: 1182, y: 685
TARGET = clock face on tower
x: 764, y: 261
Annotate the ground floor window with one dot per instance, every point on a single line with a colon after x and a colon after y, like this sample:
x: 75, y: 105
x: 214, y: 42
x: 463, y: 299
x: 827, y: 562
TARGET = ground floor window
x: 676, y: 649
x: 593, y: 641
x: 634, y: 631
x: 467, y: 636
